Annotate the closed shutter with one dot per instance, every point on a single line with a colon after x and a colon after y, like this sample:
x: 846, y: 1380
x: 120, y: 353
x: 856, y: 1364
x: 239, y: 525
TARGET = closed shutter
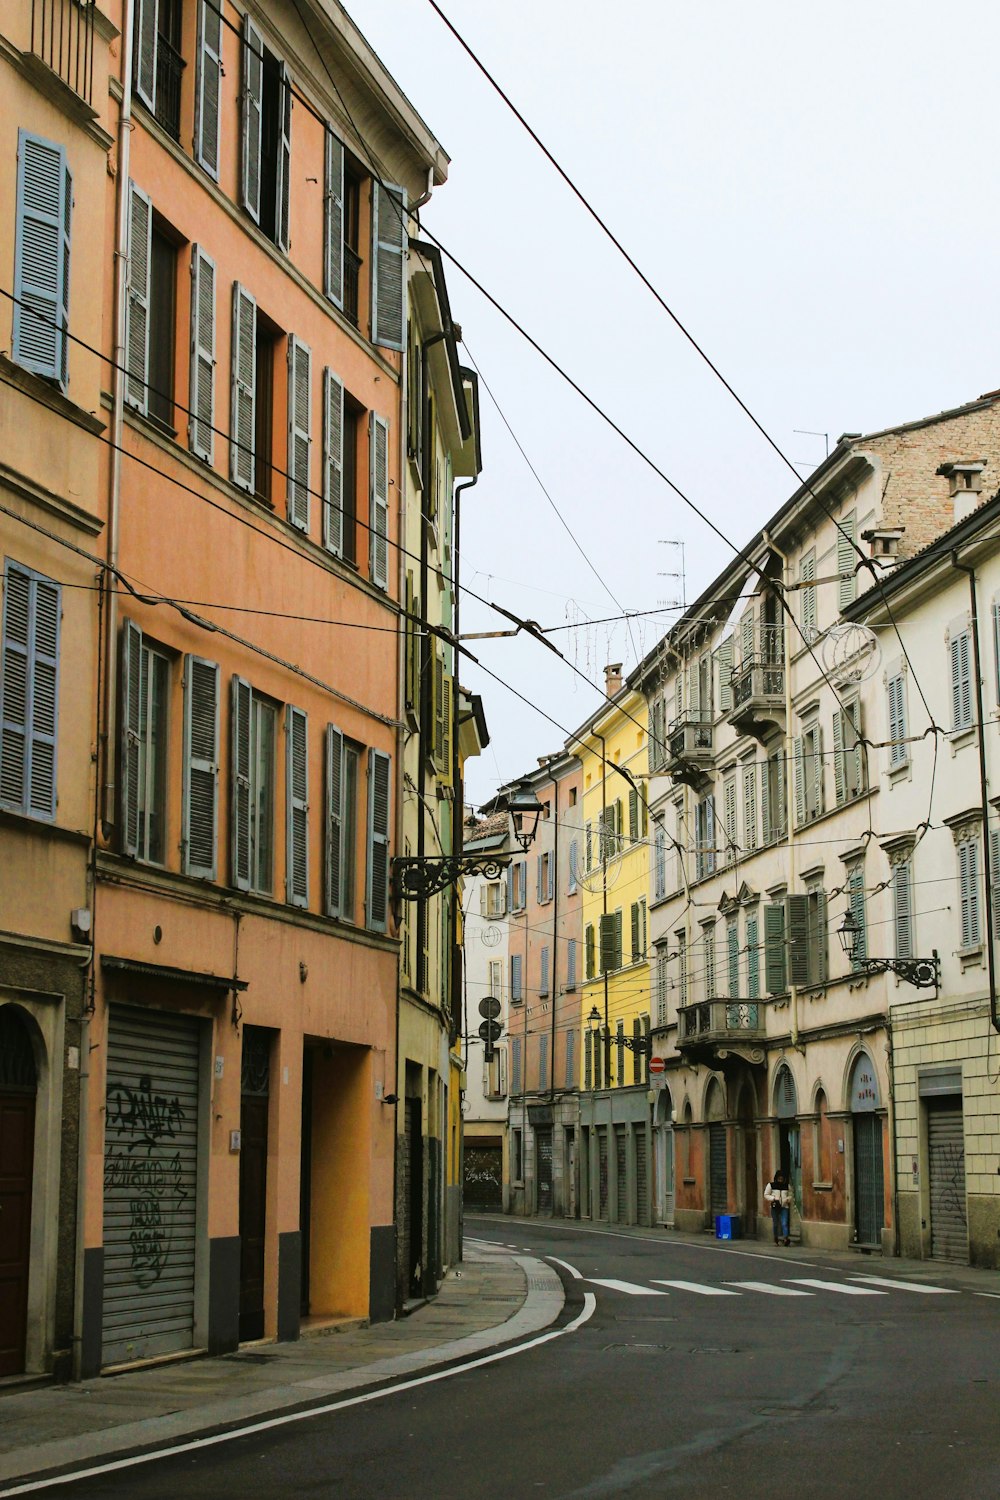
x: 571, y: 1079
x: 299, y: 431
x: 819, y: 947
x: 621, y: 1175
x: 996, y: 649
x: 379, y: 768
x: 131, y: 689
x: 750, y: 807
x: 388, y: 278
x: 250, y: 142
x: 641, y: 1175
x: 869, y: 1204
x: 902, y: 909
x: 899, y: 751
x: 602, y: 1172
x: 846, y: 555
x: 961, y: 684
x: 282, y: 217
x: 767, y: 831
x: 242, y: 467
x: 150, y: 1184
x: 856, y: 900
x: 333, y: 219
x: 201, y: 767
x: 946, y: 1156
x: 636, y: 949
x: 800, y: 780
x: 774, y: 948
x: 201, y: 422
x: 807, y: 573
x: 42, y: 257
x: 543, y: 983
x: 543, y: 1154
x: 144, y: 21
x: 208, y: 87
x: 297, y: 807
x: 571, y: 964
x: 543, y: 1062
x: 378, y: 438
x: 574, y: 857
x: 995, y: 878
x: 607, y: 931
x: 333, y: 463
x: 633, y: 816
x: 239, y: 812
x: 797, y: 938
x: 729, y: 807
x: 140, y: 241
x: 333, y: 833
x: 753, y: 958
x: 839, y: 769
x: 717, y: 1169
x: 29, y: 691
x: 515, y: 979
x: 968, y: 871
x: 724, y: 658
x: 590, y: 956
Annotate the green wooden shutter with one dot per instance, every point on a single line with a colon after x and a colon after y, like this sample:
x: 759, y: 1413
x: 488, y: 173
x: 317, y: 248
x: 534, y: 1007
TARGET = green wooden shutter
x: 297, y: 807
x: 724, y: 657
x: 846, y: 557
x: 807, y: 573
x: 774, y: 948
x: 131, y: 709
x: 201, y: 419
x: 753, y: 957
x: 282, y: 217
x: 250, y: 118
x: 607, y: 939
x: 388, y: 276
x: 336, y: 823
x: 899, y: 752
x: 902, y: 909
x: 299, y: 431
x: 636, y: 937
x: 856, y: 898
x: 333, y: 219
x: 589, y: 953
x: 145, y: 24
x: 239, y: 812
x: 333, y: 463
x: 378, y: 429
x: 208, y: 87
x: 140, y: 240
x: 200, y: 767
x: 821, y: 940
x: 42, y: 257
x: 797, y: 938
x: 619, y: 950
x: 29, y: 691
x: 633, y: 817
x: 242, y: 459
x: 379, y: 771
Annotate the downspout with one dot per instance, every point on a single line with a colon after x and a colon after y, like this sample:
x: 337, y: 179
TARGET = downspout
x: 403, y: 911
x: 793, y: 992
x: 554, y: 981
x: 459, y: 976
x: 983, y: 788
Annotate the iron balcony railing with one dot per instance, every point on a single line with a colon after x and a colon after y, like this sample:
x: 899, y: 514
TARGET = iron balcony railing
x: 352, y: 276
x: 62, y: 35
x: 757, y: 677
x: 689, y: 737
x: 169, y: 68
x: 716, y: 1020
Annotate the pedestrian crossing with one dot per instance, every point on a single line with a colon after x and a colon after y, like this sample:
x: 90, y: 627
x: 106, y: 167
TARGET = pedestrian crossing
x: 790, y: 1286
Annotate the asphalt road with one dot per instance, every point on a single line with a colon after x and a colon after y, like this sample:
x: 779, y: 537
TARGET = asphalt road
x: 780, y: 1377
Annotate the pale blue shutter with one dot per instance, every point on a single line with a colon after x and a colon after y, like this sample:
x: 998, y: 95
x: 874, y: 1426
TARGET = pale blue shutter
x: 199, y: 812
x: 899, y: 751
x: 571, y: 964
x: 379, y: 500
x: 515, y: 979
x: 333, y: 219
x: 239, y: 812
x: 284, y: 184
x: 961, y: 682
x: 543, y: 985
x: 131, y: 711
x: 335, y: 822
x: 140, y: 238
x: 379, y: 767
x: 29, y: 691
x: 41, y: 257
x: 201, y: 419
x: 297, y: 806
x: 145, y: 23
x: 250, y: 121
x: 388, y: 275
x: 552, y: 877
x: 299, y: 431
x: 208, y: 87
x: 846, y: 556
x: 333, y: 463
x: 242, y: 464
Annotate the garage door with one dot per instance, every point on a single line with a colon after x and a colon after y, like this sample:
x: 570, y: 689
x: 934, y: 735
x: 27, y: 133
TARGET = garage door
x: 946, y: 1151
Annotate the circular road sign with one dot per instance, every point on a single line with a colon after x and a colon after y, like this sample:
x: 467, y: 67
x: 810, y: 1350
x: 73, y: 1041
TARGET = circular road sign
x: 657, y: 1065
x: 489, y: 1031
x: 489, y: 1007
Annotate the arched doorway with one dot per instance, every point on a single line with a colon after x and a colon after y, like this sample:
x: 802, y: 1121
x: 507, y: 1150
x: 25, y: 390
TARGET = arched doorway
x: 869, y: 1187
x: 18, y: 1088
x: 746, y: 1113
x: 718, y: 1159
x: 664, y: 1146
x: 786, y: 1107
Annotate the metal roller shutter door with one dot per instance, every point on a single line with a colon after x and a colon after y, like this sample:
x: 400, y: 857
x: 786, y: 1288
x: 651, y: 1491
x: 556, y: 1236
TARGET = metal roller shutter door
x: 150, y: 1184
x: 946, y: 1150
x: 718, y: 1176
x: 621, y: 1165
x: 641, y: 1176
x: 602, y: 1171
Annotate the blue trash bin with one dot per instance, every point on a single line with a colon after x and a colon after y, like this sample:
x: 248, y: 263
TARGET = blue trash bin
x: 728, y: 1227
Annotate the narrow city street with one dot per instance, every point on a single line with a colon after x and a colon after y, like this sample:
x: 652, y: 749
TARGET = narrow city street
x: 678, y: 1367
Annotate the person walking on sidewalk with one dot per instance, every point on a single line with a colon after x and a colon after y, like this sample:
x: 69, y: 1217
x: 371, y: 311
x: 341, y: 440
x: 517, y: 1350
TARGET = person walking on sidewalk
x: 777, y: 1194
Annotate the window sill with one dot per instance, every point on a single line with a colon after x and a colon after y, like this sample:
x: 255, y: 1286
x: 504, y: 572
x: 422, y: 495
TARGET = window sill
x: 902, y: 772
x: 970, y: 958
x: 959, y: 739
x: 822, y: 1187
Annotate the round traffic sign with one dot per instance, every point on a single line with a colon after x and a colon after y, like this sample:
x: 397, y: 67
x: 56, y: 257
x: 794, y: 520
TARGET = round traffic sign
x: 489, y: 1031
x: 657, y: 1065
x: 489, y: 1007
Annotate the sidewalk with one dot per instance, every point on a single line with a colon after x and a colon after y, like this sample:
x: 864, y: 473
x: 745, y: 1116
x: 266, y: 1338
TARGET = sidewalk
x: 491, y: 1298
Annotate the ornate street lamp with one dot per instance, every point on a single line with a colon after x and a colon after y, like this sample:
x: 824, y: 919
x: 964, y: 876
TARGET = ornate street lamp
x: 416, y: 879
x: 922, y: 973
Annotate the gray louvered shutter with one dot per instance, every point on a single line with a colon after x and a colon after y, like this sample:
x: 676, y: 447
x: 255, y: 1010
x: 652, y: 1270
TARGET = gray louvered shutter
x: 208, y: 87
x: 333, y: 220
x: 334, y: 831
x: 995, y: 879
x: 724, y: 656
x: 43, y: 721
x: 774, y: 948
x: 818, y: 780
x: 767, y: 829
x: 145, y: 23
x: 201, y: 420
x: 379, y: 500
x: 800, y: 780
x: 552, y: 877
x: 250, y: 144
x: 15, y: 686
x: 606, y: 927
x: 140, y: 237
x: 797, y: 930
x: 839, y: 765
x: 899, y: 750
x: 29, y: 691
x: 239, y: 812
x: 821, y: 941
x: 379, y: 778
x: 199, y: 815
x: 41, y: 257
x: 388, y: 278
x: 131, y: 688
x: 284, y: 185
x: 242, y: 464
x: 333, y: 463
x: 299, y: 431
x: 297, y: 807
x: 902, y: 913
x: 845, y: 562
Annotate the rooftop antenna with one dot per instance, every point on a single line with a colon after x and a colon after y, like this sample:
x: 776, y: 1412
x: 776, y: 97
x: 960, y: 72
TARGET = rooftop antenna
x: 809, y: 432
x: 680, y: 603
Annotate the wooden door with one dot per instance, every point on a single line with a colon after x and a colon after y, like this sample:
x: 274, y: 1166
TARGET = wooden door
x: 17, y: 1146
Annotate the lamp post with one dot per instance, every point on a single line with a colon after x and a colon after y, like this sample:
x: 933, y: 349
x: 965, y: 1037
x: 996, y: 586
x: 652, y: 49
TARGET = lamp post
x: 416, y: 879
x: 922, y: 973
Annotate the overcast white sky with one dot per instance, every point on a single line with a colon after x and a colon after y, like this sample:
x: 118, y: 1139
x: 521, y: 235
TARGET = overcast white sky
x: 814, y: 191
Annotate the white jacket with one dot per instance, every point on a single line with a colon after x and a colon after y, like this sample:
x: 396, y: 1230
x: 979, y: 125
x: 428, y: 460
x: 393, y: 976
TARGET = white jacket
x: 780, y: 1197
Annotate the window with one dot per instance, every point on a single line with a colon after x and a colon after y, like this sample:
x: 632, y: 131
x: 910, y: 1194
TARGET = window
x: 200, y: 766
x: 297, y: 807
x: 574, y: 862
x: 201, y: 396
x: 545, y: 870
x: 29, y: 691
x: 809, y: 775
x: 255, y: 348
x: 589, y: 951
x: 519, y: 884
x: 543, y: 981
x: 705, y: 837
x: 379, y: 808
x: 516, y: 1152
x: 848, y: 753
x: 493, y: 899
x: 611, y: 940
x: 266, y: 144
x: 638, y: 918
x: 496, y: 985
x: 822, y: 1143
x: 543, y: 1062
x: 968, y: 877
x: 772, y: 794
x: 157, y: 61
x: 729, y: 812
x: 252, y: 809
x: 682, y: 967
x: 378, y: 500
x: 495, y: 1074
x: 571, y: 964
x: 162, y: 325
x: 662, y: 987
x: 960, y: 651
x: 572, y: 796
x: 343, y: 764
x: 708, y: 958
x: 899, y: 751
x: 659, y: 861
x: 902, y: 907
x: 733, y: 955
x: 208, y: 87
x: 724, y: 657
x: 143, y: 776
x: 750, y: 806
x: 856, y: 902
x: 42, y: 258
x: 299, y: 431
x: 807, y: 575
x: 570, y: 1059
x: 846, y: 559
x: 516, y: 992
x: 753, y: 955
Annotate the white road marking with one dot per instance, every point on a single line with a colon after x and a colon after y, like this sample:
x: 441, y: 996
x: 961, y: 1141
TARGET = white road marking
x: 988, y: 1294
x: 630, y: 1287
x: 566, y: 1266
x: 770, y: 1290
x: 696, y: 1286
x: 836, y: 1286
x: 908, y: 1286
x: 665, y: 1243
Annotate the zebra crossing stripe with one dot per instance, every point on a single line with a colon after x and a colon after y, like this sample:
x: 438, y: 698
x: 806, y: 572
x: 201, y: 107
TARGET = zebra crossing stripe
x: 769, y: 1289
x: 908, y: 1286
x: 629, y: 1287
x: 695, y: 1286
x: 836, y: 1286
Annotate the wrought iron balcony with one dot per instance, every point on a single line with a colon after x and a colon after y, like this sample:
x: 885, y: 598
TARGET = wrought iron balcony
x: 62, y: 37
x: 169, y: 68
x: 713, y: 1030
x: 758, y: 685
x: 352, y: 276
x: 689, y: 747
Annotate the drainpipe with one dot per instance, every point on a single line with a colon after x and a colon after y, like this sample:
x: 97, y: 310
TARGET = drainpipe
x: 554, y: 978
x: 459, y: 976
x: 983, y: 787
x: 793, y: 993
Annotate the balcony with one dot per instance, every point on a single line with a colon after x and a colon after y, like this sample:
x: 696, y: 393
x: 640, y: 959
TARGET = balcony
x: 718, y: 1031
x: 169, y: 68
x: 758, y: 686
x: 352, y: 276
x: 689, y: 747
x: 62, y: 37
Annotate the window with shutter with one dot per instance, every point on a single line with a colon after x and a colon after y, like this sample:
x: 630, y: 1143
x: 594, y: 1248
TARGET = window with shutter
x: 633, y: 816
x: 659, y: 862
x: 543, y: 1062
x: 856, y: 902
x: 902, y: 908
x: 571, y: 1079
x: 516, y: 993
x: 733, y: 956
x: 266, y: 130
x: 899, y: 752
x: 201, y: 419
x: 968, y: 873
x: 297, y: 807
x: 797, y: 934
x: 774, y: 948
x: 379, y: 767
x: 389, y: 238
x: 299, y: 431
x: 42, y: 257
x: 961, y: 680
x: 378, y: 518
x: 750, y: 807
x: 252, y: 751
x: 333, y: 220
x: 242, y: 465
x: 333, y: 466
x: 846, y: 560
x: 240, y: 789
x: 807, y: 574
x: 724, y: 658
x: 729, y: 807
x: 29, y: 691
x: 137, y: 276
x: 515, y: 1088
x: 995, y: 879
x: 636, y: 948
x: 590, y: 956
x: 543, y: 983
x: 144, y: 60
x: 753, y: 956
x: 708, y: 958
x: 145, y: 675
x: 550, y: 888
x: 250, y: 121
x: 131, y: 666
x: 200, y: 767
x: 208, y: 87
x: 282, y: 236
x: 682, y: 966
x: 571, y: 964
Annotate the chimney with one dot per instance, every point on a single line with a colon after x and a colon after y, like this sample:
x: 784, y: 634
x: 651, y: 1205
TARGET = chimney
x: 613, y: 678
